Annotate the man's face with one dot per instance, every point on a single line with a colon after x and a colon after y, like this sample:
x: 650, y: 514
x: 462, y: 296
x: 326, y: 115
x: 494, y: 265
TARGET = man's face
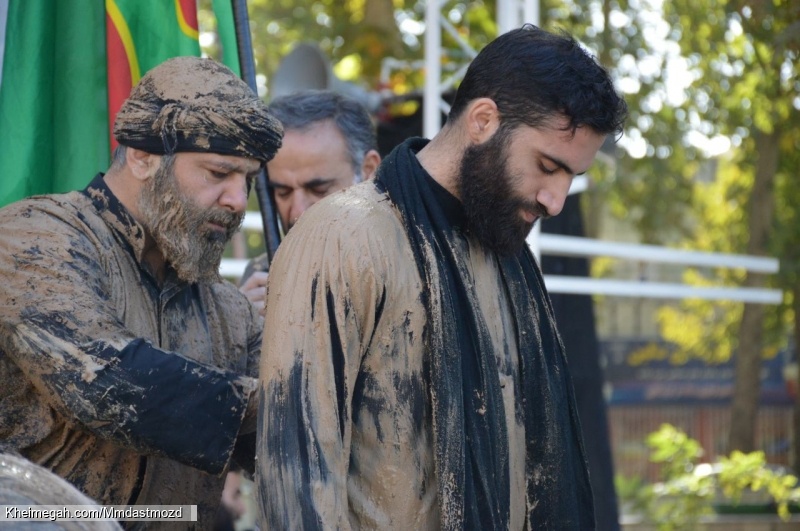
x: 518, y: 176
x: 310, y: 165
x: 192, y: 206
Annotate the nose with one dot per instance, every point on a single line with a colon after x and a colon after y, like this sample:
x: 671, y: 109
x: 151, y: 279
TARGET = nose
x: 554, y: 197
x: 234, y: 195
x: 300, y: 203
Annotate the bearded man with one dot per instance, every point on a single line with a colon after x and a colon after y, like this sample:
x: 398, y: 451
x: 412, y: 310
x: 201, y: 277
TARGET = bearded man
x: 126, y: 363
x: 413, y: 376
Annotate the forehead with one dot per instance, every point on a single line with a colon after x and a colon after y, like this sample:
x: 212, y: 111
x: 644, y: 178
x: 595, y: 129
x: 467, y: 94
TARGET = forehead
x: 317, y: 136
x: 318, y: 152
x: 230, y: 163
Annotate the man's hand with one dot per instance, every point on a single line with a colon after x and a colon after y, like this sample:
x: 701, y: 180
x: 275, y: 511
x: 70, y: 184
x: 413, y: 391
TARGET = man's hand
x: 255, y: 289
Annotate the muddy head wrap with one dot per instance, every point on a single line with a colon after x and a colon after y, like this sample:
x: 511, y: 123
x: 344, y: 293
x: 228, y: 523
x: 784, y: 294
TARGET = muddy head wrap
x: 194, y: 104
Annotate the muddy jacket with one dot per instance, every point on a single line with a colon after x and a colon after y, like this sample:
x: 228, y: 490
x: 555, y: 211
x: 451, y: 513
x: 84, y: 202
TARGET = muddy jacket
x: 132, y: 391
x: 347, y: 438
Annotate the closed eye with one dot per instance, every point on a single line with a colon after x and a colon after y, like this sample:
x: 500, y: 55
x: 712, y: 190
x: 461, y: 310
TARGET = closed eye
x: 548, y: 171
x: 321, y: 190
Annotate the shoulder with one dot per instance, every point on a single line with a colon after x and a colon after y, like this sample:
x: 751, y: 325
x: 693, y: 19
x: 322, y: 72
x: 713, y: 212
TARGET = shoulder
x: 361, y: 212
x: 63, y: 219
x: 359, y: 204
x: 357, y: 230
x: 360, y: 219
x: 54, y: 206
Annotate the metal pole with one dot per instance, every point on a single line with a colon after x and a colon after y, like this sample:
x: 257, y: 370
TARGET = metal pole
x: 431, y: 108
x: 272, y: 236
x: 507, y: 15
x: 530, y: 12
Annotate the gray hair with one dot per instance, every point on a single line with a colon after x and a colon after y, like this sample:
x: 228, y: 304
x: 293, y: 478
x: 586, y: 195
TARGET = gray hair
x: 301, y: 110
x: 118, y: 157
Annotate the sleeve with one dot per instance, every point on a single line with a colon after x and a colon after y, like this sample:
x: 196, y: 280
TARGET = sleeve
x: 244, y: 451
x: 323, y: 303
x: 255, y: 334
x: 59, y: 325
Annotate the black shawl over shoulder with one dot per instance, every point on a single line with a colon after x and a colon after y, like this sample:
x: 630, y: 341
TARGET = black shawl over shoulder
x: 469, y: 426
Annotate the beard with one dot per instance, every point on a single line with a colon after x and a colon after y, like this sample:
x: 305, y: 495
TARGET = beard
x: 180, y: 227
x: 491, y: 206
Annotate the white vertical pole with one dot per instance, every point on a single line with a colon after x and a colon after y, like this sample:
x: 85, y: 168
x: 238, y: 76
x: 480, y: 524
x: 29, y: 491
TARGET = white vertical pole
x: 507, y: 15
x: 431, y: 111
x: 530, y: 13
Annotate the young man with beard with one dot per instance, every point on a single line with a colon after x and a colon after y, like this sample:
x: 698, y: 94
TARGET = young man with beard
x: 413, y: 377
x: 126, y: 363
x: 329, y: 143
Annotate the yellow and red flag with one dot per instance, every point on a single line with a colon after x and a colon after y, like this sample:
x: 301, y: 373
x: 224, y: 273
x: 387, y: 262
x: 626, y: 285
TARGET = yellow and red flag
x: 140, y: 35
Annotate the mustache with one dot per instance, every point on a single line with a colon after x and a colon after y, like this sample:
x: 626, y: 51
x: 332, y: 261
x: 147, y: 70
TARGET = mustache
x: 535, y: 208
x: 230, y: 220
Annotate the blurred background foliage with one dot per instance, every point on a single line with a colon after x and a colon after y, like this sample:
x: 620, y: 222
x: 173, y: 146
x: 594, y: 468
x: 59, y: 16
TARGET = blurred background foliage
x: 709, y: 159
x: 694, y: 487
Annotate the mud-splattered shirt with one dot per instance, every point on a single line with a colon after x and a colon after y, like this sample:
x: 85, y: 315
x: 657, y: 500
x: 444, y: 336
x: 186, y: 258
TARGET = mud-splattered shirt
x: 131, y: 390
x: 345, y: 426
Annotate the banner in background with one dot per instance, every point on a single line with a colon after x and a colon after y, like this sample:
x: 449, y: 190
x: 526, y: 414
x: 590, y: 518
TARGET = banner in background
x: 639, y: 372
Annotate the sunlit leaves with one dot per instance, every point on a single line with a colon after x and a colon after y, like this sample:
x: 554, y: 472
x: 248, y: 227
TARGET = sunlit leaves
x: 689, y: 487
x: 699, y: 77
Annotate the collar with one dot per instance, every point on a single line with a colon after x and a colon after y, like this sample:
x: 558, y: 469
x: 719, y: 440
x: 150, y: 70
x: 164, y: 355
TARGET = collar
x: 121, y: 221
x: 115, y: 214
x: 451, y: 207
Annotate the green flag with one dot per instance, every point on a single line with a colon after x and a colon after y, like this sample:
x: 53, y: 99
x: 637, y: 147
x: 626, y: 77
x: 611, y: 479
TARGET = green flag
x: 65, y: 69
x: 226, y: 31
x: 53, y: 110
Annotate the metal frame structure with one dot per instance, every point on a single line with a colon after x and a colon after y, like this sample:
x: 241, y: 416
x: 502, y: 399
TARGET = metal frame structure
x: 512, y: 14
x: 558, y: 245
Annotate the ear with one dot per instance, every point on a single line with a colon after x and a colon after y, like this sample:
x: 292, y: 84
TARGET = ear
x: 482, y: 120
x: 371, y: 162
x: 141, y: 163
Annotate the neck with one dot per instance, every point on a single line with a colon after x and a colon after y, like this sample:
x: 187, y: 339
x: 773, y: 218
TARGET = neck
x: 441, y: 158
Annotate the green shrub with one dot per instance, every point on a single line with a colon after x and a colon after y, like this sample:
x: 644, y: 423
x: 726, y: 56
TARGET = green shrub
x: 690, y: 490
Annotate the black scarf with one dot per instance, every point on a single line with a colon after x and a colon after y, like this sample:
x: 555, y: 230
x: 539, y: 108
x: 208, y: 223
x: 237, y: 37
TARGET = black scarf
x: 469, y: 426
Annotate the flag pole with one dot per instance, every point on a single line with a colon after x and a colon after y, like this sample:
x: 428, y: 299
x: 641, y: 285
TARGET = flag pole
x: 244, y: 46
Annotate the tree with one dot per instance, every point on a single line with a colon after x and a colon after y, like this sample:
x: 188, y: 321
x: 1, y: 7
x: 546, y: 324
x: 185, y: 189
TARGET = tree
x: 743, y: 88
x: 742, y: 57
x: 357, y: 35
x: 747, y: 89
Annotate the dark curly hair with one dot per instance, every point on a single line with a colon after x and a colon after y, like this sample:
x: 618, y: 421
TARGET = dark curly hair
x: 533, y: 75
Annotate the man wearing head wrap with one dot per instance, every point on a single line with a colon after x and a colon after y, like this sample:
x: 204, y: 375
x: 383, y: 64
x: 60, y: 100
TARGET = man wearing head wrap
x: 126, y: 363
x: 413, y: 376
